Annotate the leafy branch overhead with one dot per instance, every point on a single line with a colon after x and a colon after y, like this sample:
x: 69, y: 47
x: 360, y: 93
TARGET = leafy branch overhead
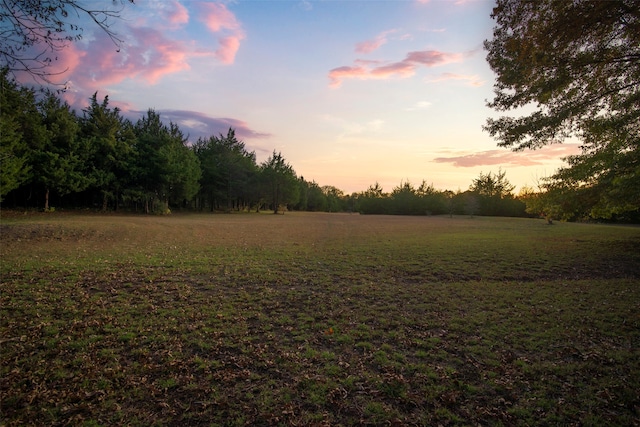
x: 576, y: 67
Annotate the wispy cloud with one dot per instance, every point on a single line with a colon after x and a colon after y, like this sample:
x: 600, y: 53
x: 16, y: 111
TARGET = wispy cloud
x: 405, y: 68
x: 350, y: 129
x: 471, y: 80
x: 221, y: 21
x: 506, y: 157
x: 369, y: 46
x: 305, y: 5
x: 198, y: 124
x: 176, y: 14
x: 217, y: 17
x: 420, y: 105
x: 151, y: 57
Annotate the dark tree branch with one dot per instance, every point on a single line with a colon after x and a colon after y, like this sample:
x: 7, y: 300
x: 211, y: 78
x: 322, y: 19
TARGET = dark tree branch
x: 32, y: 32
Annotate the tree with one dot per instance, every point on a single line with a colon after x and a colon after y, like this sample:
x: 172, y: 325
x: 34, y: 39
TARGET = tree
x: 59, y: 163
x: 16, y: 106
x: 405, y: 200
x: 227, y: 170
x: 492, y: 186
x: 151, y: 167
x: 576, y: 66
x: 33, y: 32
x: 109, y: 140
x: 280, y: 180
x: 317, y: 201
x: 166, y: 169
x: 493, y: 193
x: 334, y: 197
x: 183, y: 170
x: 373, y: 200
x: 13, y: 169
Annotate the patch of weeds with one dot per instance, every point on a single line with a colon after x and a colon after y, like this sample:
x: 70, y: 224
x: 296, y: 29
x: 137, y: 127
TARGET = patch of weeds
x: 332, y: 370
x: 364, y: 346
x: 422, y: 354
x: 328, y: 355
x: 394, y: 388
x: 167, y: 383
x: 376, y: 413
x: 445, y: 415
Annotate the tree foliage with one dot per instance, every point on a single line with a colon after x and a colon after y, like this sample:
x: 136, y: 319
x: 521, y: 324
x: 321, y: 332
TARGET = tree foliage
x: 492, y: 194
x: 109, y: 144
x: 57, y: 163
x: 17, y: 108
x: 32, y: 33
x: 279, y: 178
x: 228, y: 172
x: 576, y: 66
x: 489, y: 194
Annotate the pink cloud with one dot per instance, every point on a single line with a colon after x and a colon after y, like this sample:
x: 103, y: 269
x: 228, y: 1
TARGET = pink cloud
x: 152, y: 57
x: 369, y: 46
x: 505, y: 157
x: 63, y: 63
x: 178, y: 14
x: 404, y: 68
x: 217, y: 17
x: 229, y: 46
x: 338, y: 74
x: 431, y: 58
x: 151, y: 60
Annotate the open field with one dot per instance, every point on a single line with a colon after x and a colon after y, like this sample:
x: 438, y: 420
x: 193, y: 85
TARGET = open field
x: 317, y: 319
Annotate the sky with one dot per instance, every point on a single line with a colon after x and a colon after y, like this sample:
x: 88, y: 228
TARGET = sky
x: 352, y: 93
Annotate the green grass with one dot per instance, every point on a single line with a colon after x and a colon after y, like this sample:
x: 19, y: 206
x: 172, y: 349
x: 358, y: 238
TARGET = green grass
x: 307, y: 319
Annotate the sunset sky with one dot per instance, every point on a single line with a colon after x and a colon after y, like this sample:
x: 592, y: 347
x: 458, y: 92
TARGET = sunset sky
x: 350, y: 92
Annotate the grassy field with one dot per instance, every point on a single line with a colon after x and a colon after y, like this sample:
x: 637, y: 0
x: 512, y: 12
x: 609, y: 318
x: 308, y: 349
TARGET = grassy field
x: 317, y: 319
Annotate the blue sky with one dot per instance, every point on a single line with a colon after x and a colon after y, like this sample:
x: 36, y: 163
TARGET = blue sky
x: 350, y: 92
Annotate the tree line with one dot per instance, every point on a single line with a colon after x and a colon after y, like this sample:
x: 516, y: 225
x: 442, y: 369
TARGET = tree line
x: 98, y: 159
x: 101, y: 159
x: 53, y: 157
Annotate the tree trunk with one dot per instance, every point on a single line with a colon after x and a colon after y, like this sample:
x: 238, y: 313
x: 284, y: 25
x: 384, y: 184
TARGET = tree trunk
x: 46, y: 200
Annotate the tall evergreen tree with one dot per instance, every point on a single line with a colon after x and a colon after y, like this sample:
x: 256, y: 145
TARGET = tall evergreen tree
x: 280, y: 181
x: 17, y: 108
x: 59, y: 163
x: 228, y: 170
x: 183, y: 169
x: 166, y: 170
x: 109, y: 140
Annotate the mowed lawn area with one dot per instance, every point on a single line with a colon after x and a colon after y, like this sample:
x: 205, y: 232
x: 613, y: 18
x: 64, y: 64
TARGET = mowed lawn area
x: 317, y: 319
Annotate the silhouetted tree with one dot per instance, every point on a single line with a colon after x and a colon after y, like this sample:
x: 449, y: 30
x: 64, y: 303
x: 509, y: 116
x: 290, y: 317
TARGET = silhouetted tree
x: 578, y: 64
x: 280, y: 181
